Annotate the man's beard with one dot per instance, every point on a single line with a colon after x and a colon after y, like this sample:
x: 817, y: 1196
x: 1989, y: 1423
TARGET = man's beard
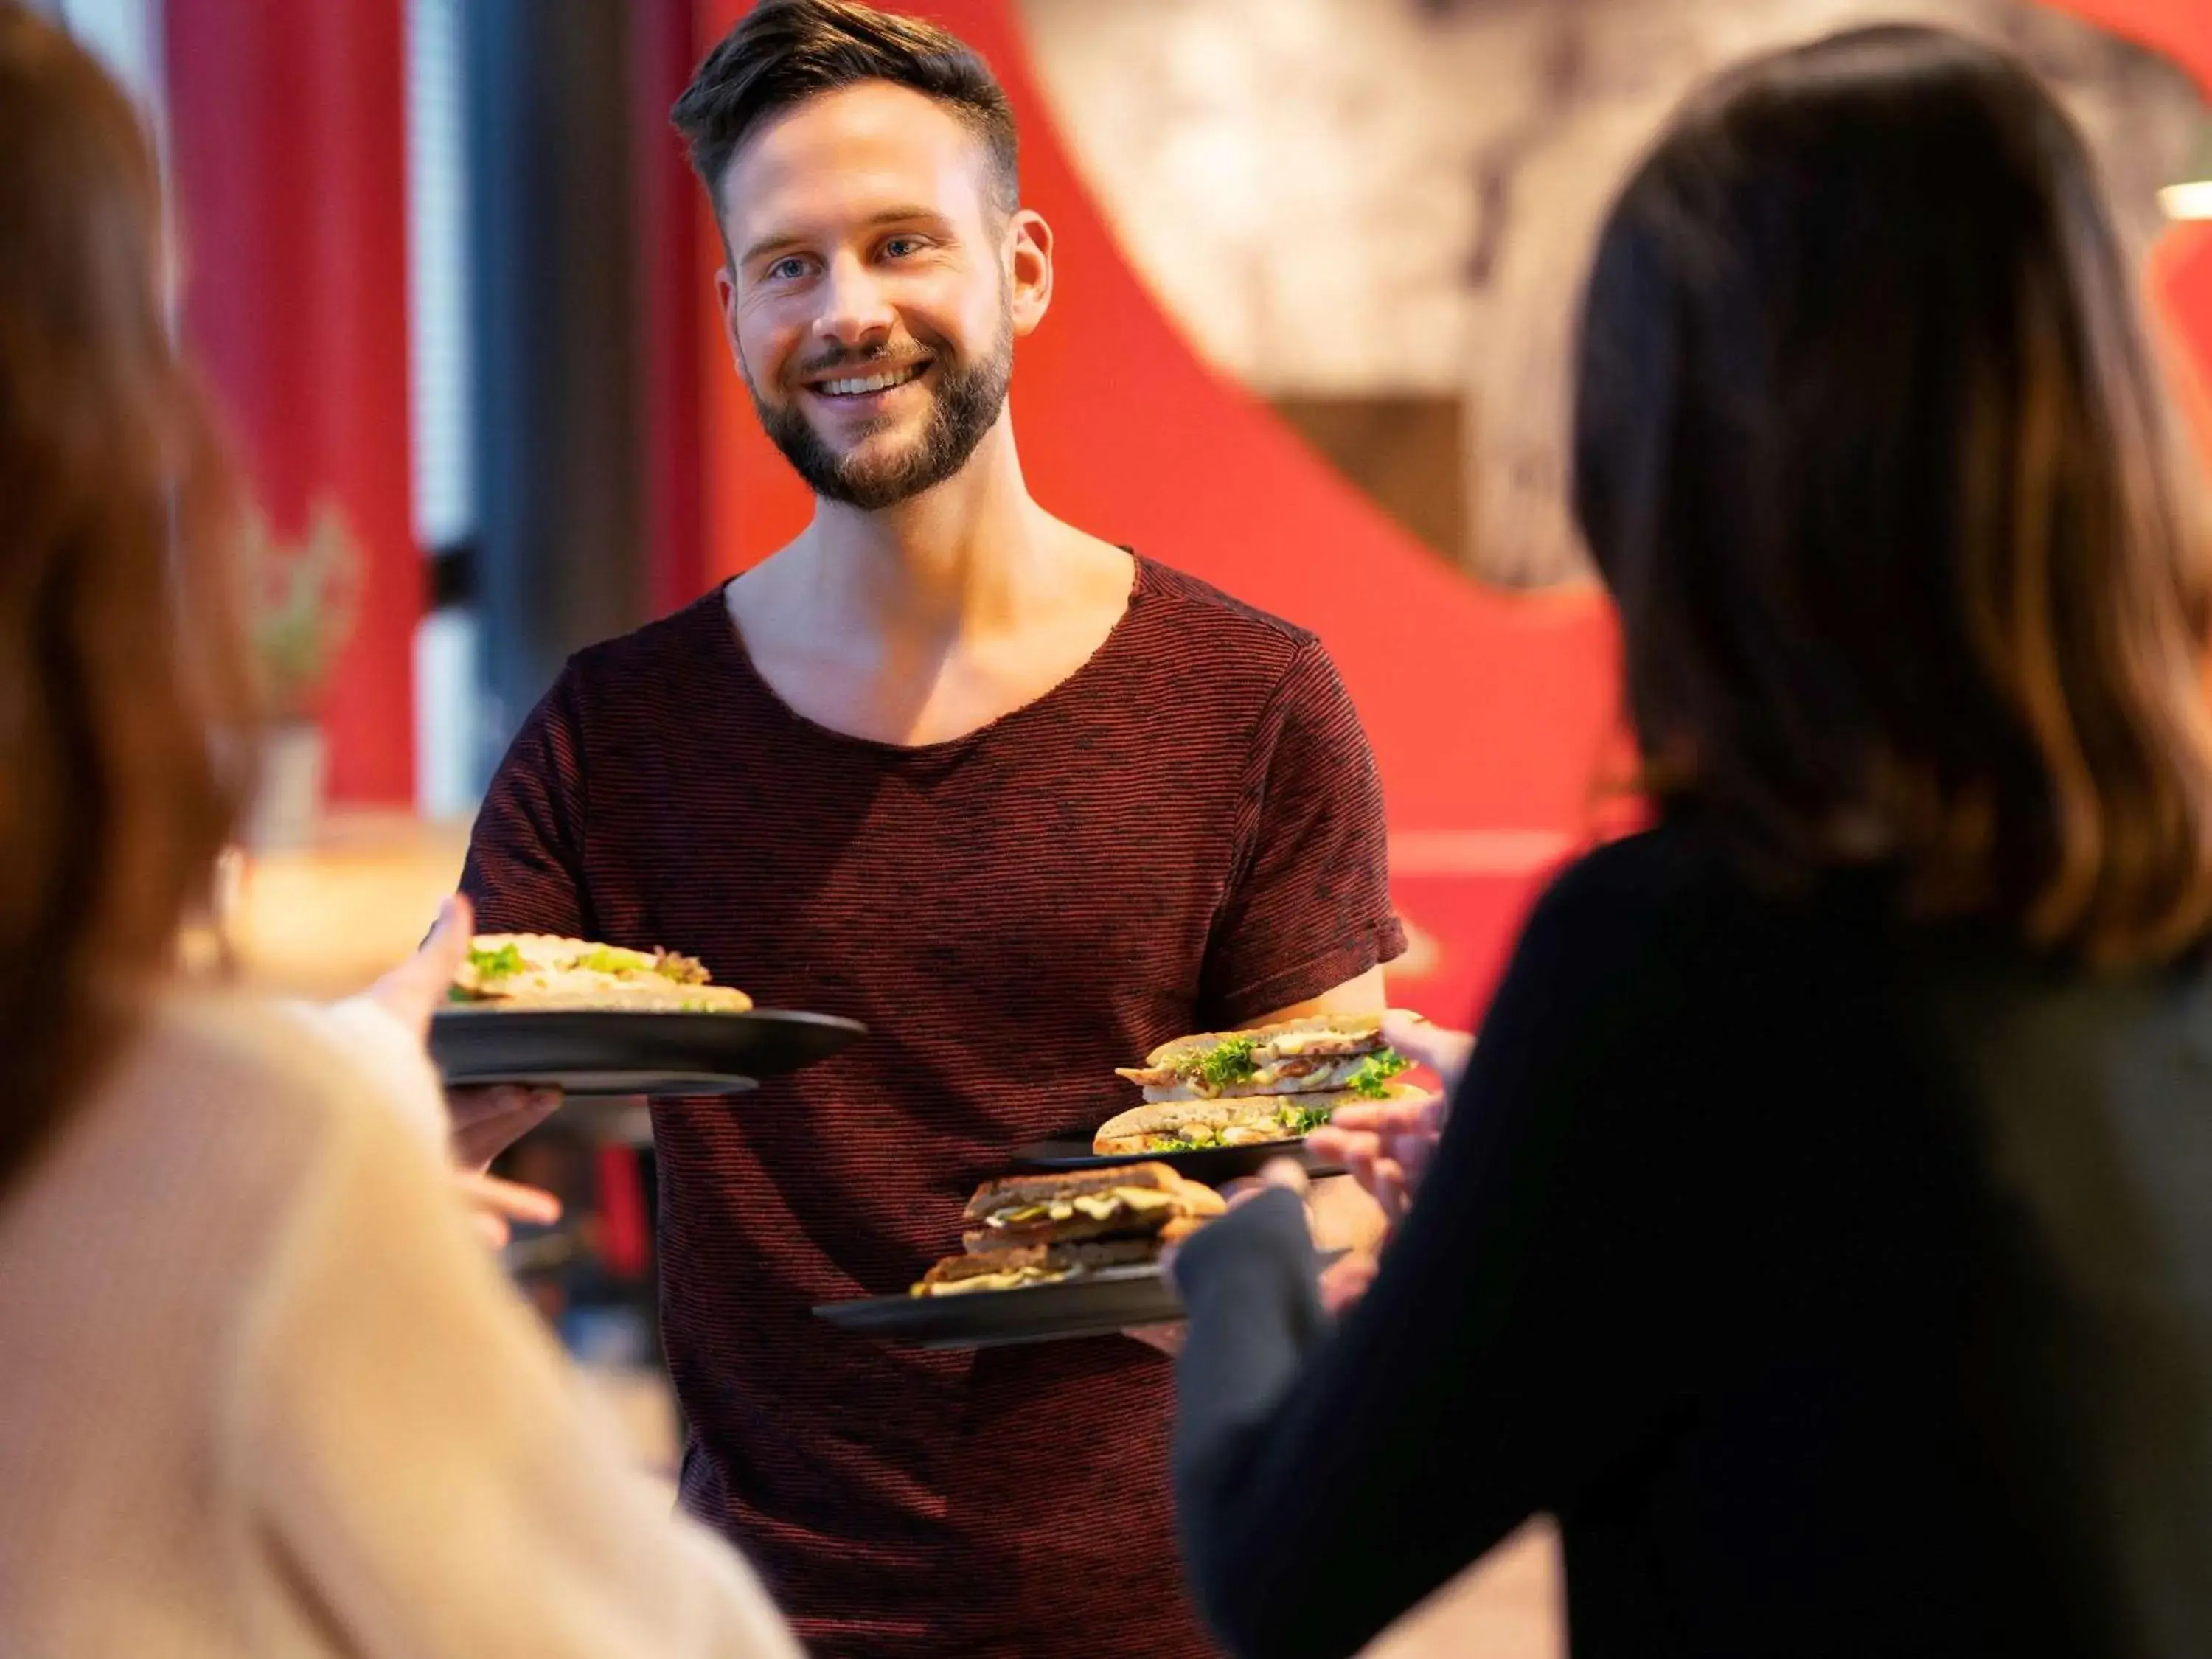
x: 964, y: 406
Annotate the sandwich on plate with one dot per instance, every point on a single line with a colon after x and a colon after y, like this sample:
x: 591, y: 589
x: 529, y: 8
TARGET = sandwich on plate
x: 1038, y: 1229
x: 543, y: 970
x: 1187, y: 1126
x: 1242, y: 1088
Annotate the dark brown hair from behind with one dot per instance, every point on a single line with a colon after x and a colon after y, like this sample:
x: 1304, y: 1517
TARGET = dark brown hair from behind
x: 1871, y: 450
x: 125, y: 691
x: 784, y: 52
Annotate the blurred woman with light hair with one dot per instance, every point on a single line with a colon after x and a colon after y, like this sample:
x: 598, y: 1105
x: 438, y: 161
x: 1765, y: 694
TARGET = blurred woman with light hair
x: 263, y: 1391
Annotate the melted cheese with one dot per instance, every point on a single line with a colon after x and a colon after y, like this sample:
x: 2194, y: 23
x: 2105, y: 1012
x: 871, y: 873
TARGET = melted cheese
x: 1099, y: 1206
x: 1013, y: 1278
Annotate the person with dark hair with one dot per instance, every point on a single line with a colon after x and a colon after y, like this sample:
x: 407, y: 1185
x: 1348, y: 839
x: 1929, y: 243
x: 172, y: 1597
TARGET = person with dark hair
x: 1820, y: 1229
x: 1025, y: 802
x: 263, y: 1391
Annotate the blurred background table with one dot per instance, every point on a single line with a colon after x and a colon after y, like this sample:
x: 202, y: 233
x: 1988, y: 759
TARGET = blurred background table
x: 325, y: 920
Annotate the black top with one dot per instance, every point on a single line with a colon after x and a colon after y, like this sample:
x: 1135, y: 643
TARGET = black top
x: 1842, y: 1286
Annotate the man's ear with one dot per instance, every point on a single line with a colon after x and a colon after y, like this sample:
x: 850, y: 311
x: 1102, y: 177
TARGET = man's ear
x: 725, y: 303
x: 1029, y: 260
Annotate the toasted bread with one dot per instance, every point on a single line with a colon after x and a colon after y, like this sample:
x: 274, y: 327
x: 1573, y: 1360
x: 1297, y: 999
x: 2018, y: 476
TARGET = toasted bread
x: 1129, y: 1200
x: 1318, y: 1053
x: 1304, y: 1074
x: 546, y: 971
x: 1047, y: 1258
x: 1315, y: 1034
x: 1018, y: 1267
x: 1243, y: 1121
x: 1011, y: 1190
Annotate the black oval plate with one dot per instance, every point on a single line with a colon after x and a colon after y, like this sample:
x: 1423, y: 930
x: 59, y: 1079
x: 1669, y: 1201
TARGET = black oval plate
x: 1096, y: 1305
x: 589, y: 1052
x: 1211, y: 1164
x: 1100, y: 1303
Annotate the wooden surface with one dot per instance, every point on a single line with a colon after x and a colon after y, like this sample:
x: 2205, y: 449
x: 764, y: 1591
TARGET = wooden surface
x: 324, y: 920
x: 1508, y: 1607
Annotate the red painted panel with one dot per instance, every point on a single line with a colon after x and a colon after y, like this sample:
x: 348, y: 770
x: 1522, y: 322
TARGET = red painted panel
x: 2181, y: 267
x: 2182, y: 29
x: 290, y: 154
x: 675, y: 309
x: 2181, y: 279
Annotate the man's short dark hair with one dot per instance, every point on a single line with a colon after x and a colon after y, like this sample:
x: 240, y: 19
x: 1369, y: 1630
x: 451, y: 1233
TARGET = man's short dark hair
x: 787, y: 52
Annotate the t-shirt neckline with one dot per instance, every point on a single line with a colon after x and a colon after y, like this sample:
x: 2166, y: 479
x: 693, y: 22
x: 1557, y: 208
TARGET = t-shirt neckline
x: 733, y: 643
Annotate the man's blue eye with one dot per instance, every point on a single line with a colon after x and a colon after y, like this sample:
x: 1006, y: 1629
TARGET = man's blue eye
x: 787, y: 268
x: 899, y: 247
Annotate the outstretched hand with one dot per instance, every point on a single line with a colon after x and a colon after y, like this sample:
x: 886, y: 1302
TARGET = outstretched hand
x: 1387, y: 1146
x: 416, y: 988
x: 486, y: 1122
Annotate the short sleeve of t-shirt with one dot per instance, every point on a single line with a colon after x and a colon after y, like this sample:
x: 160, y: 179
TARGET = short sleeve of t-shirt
x: 1309, y: 902
x: 525, y: 872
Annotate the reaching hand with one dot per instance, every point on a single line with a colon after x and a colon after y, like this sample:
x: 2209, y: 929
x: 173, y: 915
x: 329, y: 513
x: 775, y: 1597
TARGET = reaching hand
x: 1387, y: 1146
x: 495, y: 1204
x: 486, y: 1122
x: 416, y: 988
x: 1442, y: 1051
x: 1278, y: 1172
x: 1345, y: 1279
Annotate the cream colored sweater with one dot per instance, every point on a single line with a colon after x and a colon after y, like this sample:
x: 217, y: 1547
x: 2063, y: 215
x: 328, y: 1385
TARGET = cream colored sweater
x: 263, y: 1391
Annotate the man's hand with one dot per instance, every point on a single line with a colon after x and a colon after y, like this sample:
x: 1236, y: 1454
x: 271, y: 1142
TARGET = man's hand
x: 1387, y: 1147
x: 487, y: 1122
x: 1278, y: 1172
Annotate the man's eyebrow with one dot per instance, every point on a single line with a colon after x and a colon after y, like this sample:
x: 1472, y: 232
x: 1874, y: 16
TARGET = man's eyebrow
x: 782, y: 239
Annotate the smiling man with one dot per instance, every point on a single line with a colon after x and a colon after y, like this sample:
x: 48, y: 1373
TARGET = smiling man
x: 1027, y: 804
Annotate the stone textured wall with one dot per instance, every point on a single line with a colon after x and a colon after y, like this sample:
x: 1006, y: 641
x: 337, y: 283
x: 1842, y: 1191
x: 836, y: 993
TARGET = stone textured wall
x: 1348, y: 197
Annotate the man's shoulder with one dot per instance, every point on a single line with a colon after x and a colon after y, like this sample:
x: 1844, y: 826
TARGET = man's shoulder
x: 1228, y: 623
x: 1205, y: 656
x: 677, y: 640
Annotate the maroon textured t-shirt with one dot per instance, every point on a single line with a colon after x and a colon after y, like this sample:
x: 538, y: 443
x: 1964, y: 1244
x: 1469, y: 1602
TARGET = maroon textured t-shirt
x: 1184, y: 834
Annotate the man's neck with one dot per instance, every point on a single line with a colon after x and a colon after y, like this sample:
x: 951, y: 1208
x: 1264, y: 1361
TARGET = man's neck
x: 936, y: 618
x: 956, y: 560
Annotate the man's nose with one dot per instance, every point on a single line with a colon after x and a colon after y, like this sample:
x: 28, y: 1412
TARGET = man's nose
x: 855, y: 311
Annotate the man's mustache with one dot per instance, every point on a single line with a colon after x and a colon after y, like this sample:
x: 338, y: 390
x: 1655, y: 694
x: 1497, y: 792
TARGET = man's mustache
x: 874, y: 361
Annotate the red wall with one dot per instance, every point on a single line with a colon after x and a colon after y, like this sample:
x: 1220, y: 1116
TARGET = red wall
x: 2181, y: 267
x: 1490, y: 714
x: 289, y: 151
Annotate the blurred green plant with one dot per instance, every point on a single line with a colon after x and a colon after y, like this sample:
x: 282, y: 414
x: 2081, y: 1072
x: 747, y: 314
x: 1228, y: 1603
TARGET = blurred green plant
x: 302, y: 598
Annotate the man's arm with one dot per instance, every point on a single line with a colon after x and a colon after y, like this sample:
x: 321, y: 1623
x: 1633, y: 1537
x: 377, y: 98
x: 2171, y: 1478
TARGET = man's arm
x: 525, y: 875
x: 525, y: 872
x: 1308, y: 923
x: 1361, y: 995
x: 1307, y: 918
